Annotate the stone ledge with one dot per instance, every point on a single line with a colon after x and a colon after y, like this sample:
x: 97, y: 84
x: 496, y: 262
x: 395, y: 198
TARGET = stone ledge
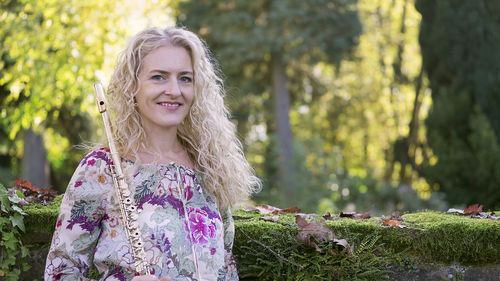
x: 433, y: 245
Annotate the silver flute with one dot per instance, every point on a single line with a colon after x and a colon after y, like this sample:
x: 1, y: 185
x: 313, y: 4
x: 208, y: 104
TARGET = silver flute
x: 125, y: 198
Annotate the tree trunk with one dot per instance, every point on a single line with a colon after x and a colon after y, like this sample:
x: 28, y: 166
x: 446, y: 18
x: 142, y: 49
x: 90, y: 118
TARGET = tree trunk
x: 35, y: 165
x: 412, y: 139
x: 283, y: 130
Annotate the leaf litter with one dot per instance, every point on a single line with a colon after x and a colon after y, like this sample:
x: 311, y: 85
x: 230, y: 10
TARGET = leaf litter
x: 313, y: 233
x: 475, y: 211
x: 316, y: 231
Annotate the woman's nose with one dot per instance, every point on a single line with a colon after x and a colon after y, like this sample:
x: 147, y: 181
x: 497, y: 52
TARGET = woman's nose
x: 172, y: 88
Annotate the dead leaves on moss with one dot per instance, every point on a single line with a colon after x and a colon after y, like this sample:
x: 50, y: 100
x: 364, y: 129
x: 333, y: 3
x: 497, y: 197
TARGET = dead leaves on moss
x: 354, y: 215
x: 312, y: 233
x: 268, y: 209
x: 316, y: 232
x: 475, y: 211
x: 393, y: 221
x: 29, y: 193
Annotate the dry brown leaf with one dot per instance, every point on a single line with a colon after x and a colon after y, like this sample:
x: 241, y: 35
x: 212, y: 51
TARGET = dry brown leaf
x: 354, y: 215
x: 293, y: 209
x: 313, y: 231
x: 262, y: 209
x: 473, y: 209
x: 327, y: 216
x: 268, y: 209
x: 393, y: 221
x: 270, y: 218
x: 345, y: 244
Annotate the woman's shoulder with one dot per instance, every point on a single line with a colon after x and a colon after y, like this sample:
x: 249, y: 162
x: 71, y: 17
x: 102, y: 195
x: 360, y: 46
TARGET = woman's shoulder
x: 99, y: 154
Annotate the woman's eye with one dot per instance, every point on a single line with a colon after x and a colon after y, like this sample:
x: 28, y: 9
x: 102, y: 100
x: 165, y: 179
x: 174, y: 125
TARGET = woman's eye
x: 186, y: 79
x: 157, y: 77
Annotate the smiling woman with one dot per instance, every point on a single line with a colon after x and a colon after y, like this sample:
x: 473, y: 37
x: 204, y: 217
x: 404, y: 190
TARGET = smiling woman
x: 182, y: 162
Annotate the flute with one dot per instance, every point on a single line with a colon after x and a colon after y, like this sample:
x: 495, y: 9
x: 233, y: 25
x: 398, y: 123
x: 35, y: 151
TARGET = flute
x: 125, y: 199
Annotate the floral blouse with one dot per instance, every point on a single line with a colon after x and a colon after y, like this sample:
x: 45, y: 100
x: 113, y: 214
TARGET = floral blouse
x: 186, y: 236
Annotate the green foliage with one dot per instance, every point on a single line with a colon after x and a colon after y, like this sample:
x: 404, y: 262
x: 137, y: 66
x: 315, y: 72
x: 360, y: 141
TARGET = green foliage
x: 51, y: 53
x: 12, y: 250
x: 463, y: 128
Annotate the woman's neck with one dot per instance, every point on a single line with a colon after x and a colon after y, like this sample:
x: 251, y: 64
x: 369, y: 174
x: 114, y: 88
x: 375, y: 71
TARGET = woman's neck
x: 164, y: 147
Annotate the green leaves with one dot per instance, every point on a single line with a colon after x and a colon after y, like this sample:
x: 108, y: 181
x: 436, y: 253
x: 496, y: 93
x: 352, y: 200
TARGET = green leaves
x: 12, y: 251
x: 17, y: 220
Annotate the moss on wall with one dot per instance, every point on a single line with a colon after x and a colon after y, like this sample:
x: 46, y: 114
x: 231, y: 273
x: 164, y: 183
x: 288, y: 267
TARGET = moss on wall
x: 428, y: 238
x: 269, y: 251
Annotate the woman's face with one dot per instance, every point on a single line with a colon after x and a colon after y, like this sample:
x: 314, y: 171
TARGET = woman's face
x: 166, y: 88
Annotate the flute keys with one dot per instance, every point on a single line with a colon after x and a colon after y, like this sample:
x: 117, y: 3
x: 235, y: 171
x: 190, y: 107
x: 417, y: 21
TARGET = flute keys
x: 126, y: 193
x: 133, y: 225
x: 134, y: 216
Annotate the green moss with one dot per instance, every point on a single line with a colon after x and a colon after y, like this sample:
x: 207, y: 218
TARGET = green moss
x: 269, y: 251
x: 428, y: 238
x: 40, y: 221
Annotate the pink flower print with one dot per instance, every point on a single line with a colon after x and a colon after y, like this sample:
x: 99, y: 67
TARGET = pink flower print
x: 212, y: 251
x: 59, y: 223
x: 202, y: 228
x: 91, y: 162
x: 78, y: 183
x: 188, y: 193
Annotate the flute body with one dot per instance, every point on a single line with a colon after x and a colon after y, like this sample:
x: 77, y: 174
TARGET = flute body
x: 125, y: 199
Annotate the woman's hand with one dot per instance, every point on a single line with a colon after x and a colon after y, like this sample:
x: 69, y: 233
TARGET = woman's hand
x: 150, y: 278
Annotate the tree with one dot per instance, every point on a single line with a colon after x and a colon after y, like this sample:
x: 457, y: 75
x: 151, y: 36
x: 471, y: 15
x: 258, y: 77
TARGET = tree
x: 460, y: 42
x: 266, y: 49
x: 51, y: 53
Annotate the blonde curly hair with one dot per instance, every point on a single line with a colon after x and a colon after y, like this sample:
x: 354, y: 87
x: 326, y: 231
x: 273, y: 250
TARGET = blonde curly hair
x: 207, y: 133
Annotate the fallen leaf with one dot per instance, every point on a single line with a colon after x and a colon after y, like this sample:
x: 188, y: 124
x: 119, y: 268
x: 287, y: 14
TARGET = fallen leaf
x: 270, y: 218
x: 346, y: 214
x: 455, y: 211
x: 393, y: 221
x: 345, y: 244
x: 473, y: 209
x: 262, y: 209
x: 268, y: 209
x: 327, y: 216
x: 354, y: 215
x: 313, y: 231
x: 293, y: 209
x: 396, y: 216
x: 484, y: 215
x: 29, y: 193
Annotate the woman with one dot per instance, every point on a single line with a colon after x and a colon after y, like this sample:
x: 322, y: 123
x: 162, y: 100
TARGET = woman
x: 182, y: 161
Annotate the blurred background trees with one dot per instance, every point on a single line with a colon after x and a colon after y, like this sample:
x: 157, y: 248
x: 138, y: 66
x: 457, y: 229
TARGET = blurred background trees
x: 51, y: 52
x: 460, y: 46
x: 268, y: 50
x: 341, y: 104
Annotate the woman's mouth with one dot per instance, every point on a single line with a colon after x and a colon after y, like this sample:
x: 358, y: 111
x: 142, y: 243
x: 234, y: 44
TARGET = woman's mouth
x: 170, y: 105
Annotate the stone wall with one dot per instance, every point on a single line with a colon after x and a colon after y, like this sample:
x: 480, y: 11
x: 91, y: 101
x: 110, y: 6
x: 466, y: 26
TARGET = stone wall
x: 426, y: 246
